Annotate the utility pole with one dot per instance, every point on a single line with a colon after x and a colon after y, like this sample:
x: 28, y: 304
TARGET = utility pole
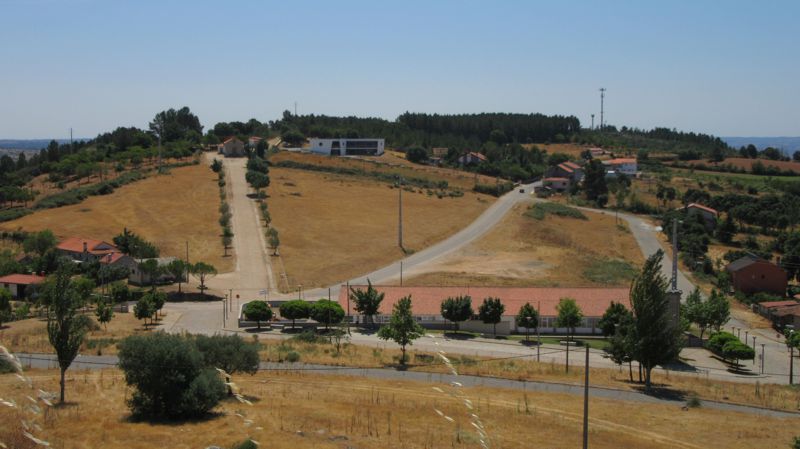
x: 295, y: 109
x: 602, y: 96
x: 401, y: 273
x: 71, y: 145
x: 762, y: 358
x: 791, y: 365
x: 400, y: 215
x: 674, y: 254
x: 586, y: 404
x: 538, y: 336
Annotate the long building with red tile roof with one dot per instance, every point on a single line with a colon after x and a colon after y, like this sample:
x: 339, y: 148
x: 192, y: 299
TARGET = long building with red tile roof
x: 84, y: 249
x: 21, y: 285
x: 426, y: 303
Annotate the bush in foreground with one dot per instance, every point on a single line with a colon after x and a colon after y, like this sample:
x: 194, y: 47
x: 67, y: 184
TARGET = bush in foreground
x: 169, y: 376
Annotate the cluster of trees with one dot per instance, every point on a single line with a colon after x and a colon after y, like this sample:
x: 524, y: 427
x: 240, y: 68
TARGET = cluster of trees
x: 728, y: 346
x: 323, y: 311
x: 656, y: 139
x: 180, y: 377
x: 712, y: 313
x: 646, y: 333
x: 135, y: 246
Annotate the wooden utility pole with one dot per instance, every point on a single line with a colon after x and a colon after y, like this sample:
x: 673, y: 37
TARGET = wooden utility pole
x: 400, y: 214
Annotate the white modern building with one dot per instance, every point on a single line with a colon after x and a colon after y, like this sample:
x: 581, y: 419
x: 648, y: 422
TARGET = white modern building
x: 347, y: 147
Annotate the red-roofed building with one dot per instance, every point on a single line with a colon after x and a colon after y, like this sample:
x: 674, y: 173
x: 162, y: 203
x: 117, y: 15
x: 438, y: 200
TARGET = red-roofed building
x: 117, y: 259
x: 426, y: 304
x: 471, y: 158
x: 569, y: 170
x: 751, y: 274
x: 709, y: 215
x: 232, y: 147
x: 21, y: 285
x: 85, y: 250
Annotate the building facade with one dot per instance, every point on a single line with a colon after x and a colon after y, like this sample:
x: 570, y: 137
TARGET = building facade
x: 347, y: 147
x: 751, y: 274
x: 232, y: 147
x: 426, y: 305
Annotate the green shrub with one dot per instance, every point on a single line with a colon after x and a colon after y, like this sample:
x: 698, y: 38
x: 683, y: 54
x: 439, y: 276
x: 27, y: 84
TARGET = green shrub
x: 228, y: 352
x: 169, y: 378
x: 13, y: 214
x: 540, y: 210
x: 308, y: 336
x: 498, y: 189
x: 718, y: 340
x: 292, y: 357
x: 246, y: 445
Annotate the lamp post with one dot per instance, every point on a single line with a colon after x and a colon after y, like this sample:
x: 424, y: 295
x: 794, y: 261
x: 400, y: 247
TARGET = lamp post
x: 754, y: 348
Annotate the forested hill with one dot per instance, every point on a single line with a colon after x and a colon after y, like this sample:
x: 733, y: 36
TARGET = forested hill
x: 432, y: 130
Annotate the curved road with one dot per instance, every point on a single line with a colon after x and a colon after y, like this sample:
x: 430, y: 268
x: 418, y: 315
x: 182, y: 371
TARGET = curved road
x: 486, y: 221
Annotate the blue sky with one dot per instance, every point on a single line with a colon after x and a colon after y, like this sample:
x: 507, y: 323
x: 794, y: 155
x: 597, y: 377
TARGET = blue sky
x: 722, y: 67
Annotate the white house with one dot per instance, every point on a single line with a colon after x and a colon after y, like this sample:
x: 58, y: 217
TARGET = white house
x: 232, y: 147
x: 626, y: 166
x: 347, y: 147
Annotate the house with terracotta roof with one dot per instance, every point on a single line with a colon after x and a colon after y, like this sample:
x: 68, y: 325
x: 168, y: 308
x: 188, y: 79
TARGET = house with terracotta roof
x: 568, y: 169
x: 709, y: 215
x: 117, y: 259
x: 21, y: 285
x: 751, y: 274
x: 472, y: 158
x: 232, y: 147
x: 85, y: 250
x: 426, y: 305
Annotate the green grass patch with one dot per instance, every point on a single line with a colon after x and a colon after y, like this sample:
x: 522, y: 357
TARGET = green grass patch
x: 540, y: 210
x: 610, y: 271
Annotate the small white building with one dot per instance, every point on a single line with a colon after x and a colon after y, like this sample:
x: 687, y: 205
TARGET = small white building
x: 232, y: 147
x: 347, y: 147
x: 626, y: 166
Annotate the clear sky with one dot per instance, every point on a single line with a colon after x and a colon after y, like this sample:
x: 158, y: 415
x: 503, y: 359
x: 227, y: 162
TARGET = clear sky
x: 724, y: 67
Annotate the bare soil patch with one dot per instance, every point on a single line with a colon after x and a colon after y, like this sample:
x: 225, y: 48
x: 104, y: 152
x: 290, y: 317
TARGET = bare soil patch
x: 554, y: 251
x: 335, y: 227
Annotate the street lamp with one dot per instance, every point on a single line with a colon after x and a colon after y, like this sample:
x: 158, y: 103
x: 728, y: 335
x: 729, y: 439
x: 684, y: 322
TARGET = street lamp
x: 754, y: 348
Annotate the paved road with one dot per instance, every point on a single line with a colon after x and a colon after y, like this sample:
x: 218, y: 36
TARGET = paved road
x: 486, y: 221
x: 48, y: 361
x: 253, y: 271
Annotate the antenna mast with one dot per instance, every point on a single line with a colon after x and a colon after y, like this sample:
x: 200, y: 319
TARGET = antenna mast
x: 602, y: 96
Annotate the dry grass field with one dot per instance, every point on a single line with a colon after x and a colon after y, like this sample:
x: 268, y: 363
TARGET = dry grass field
x: 335, y: 227
x: 300, y: 411
x: 168, y: 210
x: 31, y: 335
x: 555, y: 251
x: 390, y: 162
x: 780, y: 397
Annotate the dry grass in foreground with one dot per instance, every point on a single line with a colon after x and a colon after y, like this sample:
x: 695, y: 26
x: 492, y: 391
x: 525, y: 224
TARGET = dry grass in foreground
x: 554, y: 251
x: 31, y: 335
x: 168, y: 210
x: 334, y: 227
x: 298, y: 411
x: 780, y: 397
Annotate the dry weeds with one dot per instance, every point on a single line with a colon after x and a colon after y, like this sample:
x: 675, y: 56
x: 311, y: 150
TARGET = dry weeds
x: 308, y: 410
x: 522, y: 251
